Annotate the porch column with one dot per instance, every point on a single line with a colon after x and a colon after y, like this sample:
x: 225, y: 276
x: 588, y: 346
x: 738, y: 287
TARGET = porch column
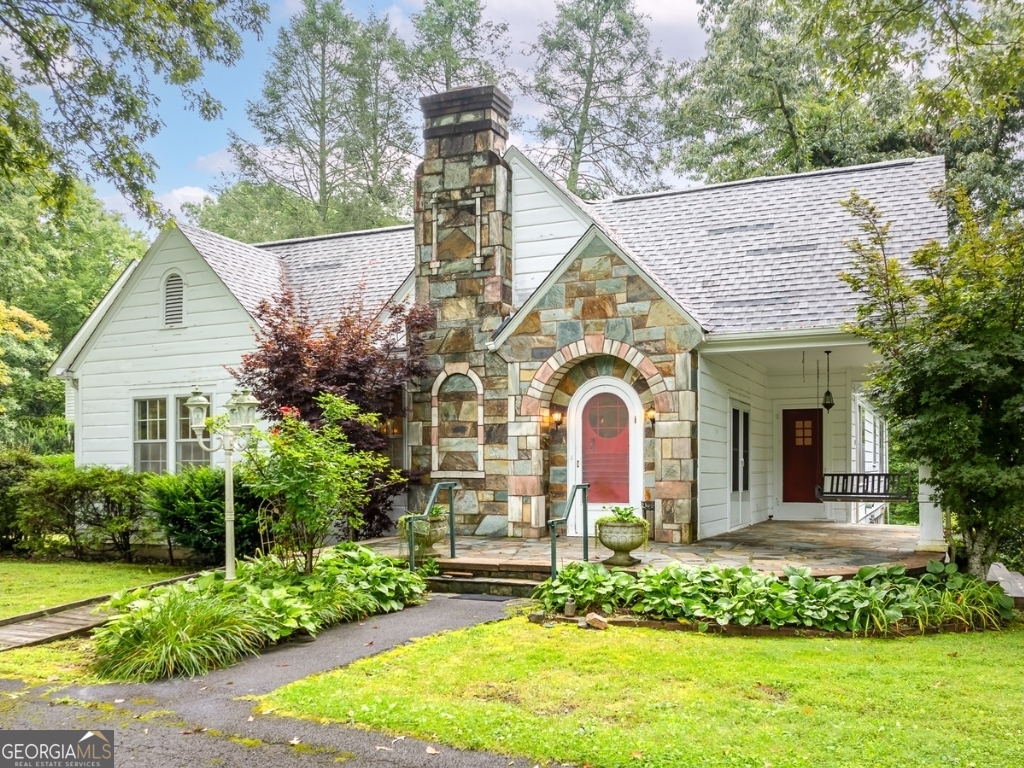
x: 930, y: 534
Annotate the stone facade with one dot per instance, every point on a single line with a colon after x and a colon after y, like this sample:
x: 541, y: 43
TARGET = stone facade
x: 601, y: 316
x: 457, y: 428
x: 483, y: 416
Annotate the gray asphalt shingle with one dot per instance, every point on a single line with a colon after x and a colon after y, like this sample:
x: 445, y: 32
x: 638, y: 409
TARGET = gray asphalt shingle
x: 765, y: 254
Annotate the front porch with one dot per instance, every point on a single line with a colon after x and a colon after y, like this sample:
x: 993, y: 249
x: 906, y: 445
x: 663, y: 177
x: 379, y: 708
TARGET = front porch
x: 826, y: 548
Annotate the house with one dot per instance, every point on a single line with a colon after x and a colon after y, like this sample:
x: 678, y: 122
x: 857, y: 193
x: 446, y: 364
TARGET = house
x: 670, y: 349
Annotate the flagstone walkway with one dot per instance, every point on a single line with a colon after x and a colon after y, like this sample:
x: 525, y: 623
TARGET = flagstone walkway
x: 826, y: 548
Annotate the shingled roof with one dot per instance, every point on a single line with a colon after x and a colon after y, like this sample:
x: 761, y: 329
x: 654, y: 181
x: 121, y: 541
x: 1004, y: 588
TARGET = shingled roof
x: 765, y: 254
x: 330, y: 271
x: 757, y: 255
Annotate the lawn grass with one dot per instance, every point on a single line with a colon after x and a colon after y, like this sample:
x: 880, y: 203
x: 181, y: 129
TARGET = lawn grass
x: 59, y: 663
x: 27, y: 585
x: 636, y: 697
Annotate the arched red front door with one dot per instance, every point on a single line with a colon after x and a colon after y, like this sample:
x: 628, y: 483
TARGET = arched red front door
x: 604, y: 449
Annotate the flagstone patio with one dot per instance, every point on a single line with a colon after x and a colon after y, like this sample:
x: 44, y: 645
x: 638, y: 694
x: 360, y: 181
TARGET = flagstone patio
x: 826, y: 548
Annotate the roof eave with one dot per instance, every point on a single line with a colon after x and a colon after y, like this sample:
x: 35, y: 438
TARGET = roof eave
x: 766, y: 341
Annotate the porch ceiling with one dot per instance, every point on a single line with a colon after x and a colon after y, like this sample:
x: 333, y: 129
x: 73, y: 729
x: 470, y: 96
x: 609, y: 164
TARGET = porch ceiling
x: 791, y: 358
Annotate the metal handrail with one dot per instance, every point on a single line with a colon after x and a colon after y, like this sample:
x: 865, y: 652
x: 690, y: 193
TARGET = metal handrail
x: 553, y: 525
x: 410, y: 519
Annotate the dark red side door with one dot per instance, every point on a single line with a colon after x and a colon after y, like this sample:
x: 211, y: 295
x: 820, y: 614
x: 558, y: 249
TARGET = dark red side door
x: 801, y: 454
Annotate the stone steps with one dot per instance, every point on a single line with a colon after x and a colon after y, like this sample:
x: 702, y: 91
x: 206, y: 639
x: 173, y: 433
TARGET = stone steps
x: 484, y: 585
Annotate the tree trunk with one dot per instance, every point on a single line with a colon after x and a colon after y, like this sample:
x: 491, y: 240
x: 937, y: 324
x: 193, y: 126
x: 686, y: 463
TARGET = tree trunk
x: 981, y: 550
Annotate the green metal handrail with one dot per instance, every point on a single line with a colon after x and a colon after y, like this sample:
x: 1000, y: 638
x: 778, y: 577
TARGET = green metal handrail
x: 410, y: 519
x: 553, y: 525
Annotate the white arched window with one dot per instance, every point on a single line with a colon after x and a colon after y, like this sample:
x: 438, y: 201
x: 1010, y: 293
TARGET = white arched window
x: 174, y: 300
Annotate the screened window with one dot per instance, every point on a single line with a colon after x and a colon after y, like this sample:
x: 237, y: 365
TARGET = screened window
x: 151, y: 435
x: 174, y: 300
x: 188, y: 452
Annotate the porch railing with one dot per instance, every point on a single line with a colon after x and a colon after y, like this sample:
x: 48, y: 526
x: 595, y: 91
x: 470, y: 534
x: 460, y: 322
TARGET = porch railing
x: 410, y: 519
x: 553, y: 527
x: 865, y: 487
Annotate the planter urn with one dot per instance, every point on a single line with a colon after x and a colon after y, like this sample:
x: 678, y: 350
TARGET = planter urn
x: 622, y: 538
x: 426, y: 533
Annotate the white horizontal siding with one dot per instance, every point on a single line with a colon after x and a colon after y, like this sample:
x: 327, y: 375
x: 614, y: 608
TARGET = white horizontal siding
x: 135, y: 356
x: 544, y: 229
x: 724, y: 383
x: 69, y: 401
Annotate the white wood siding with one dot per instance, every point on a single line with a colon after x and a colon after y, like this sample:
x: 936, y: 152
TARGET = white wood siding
x: 726, y: 379
x: 133, y: 355
x: 69, y: 401
x: 544, y: 229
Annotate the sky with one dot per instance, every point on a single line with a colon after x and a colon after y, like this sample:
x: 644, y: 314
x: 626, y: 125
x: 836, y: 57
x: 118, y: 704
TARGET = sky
x: 192, y: 153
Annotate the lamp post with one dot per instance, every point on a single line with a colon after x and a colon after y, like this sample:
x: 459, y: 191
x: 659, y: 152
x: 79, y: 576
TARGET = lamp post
x: 241, y: 420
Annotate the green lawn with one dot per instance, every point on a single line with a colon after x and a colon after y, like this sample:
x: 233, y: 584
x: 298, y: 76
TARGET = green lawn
x: 633, y: 697
x: 28, y: 586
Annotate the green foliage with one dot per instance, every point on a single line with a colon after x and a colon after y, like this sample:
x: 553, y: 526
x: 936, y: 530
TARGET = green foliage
x: 950, y: 333
x: 313, y: 479
x: 591, y: 585
x: 83, y: 510
x: 190, y: 508
x: 190, y: 628
x: 453, y: 47
x: 14, y: 468
x: 880, y: 599
x: 335, y: 136
x: 623, y: 515
x: 596, y: 78
x: 95, y: 64
x: 760, y: 103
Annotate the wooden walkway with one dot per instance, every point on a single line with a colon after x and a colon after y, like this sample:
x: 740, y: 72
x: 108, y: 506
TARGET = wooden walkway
x: 51, y: 626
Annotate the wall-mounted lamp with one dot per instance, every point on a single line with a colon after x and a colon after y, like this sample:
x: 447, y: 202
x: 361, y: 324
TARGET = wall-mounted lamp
x: 651, y: 416
x: 828, y: 401
x: 556, y: 420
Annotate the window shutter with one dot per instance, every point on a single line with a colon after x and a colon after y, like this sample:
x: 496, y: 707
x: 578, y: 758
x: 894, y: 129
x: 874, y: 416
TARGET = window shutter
x: 174, y: 301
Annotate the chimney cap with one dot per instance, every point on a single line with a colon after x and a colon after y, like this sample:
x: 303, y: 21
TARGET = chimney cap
x: 467, y: 99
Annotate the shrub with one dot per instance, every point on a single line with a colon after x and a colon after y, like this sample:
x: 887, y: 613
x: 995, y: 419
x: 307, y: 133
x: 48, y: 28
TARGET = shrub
x: 590, y: 585
x: 880, y: 599
x: 189, y: 628
x: 190, y: 508
x: 63, y: 508
x: 179, y: 630
x: 311, y: 478
x: 14, y: 468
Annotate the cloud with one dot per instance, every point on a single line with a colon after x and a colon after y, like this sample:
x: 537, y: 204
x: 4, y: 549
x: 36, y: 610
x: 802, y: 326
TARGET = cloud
x: 218, y: 162
x: 172, y: 200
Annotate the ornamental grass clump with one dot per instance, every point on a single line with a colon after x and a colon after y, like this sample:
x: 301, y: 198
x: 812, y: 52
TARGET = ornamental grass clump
x: 879, y: 600
x: 190, y: 628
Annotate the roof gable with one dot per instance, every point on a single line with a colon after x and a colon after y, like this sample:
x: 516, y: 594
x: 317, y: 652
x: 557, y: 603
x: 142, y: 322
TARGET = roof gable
x: 593, y: 246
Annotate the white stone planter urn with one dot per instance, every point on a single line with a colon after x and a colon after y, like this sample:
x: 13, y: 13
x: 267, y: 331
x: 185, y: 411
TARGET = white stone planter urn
x: 622, y: 532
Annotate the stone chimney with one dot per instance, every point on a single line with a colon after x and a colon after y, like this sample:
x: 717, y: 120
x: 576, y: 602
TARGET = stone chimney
x: 464, y: 273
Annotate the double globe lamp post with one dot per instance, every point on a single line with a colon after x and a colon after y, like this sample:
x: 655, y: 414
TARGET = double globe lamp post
x: 234, y: 436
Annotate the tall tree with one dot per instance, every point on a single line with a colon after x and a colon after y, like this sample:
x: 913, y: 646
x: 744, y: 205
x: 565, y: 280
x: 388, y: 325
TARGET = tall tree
x: 59, y: 269
x: 255, y: 213
x: 95, y: 63
x: 453, y: 47
x: 597, y: 78
x: 759, y: 102
x: 950, y: 334
x: 329, y: 131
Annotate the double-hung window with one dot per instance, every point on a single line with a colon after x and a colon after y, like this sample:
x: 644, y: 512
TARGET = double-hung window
x: 151, y: 435
x: 164, y: 442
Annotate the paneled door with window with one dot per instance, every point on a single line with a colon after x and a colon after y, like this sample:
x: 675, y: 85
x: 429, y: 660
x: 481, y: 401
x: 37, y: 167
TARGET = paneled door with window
x: 801, y: 454
x: 739, y: 466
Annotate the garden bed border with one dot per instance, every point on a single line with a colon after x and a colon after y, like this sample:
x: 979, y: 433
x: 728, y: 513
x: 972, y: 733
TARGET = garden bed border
x: 758, y: 630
